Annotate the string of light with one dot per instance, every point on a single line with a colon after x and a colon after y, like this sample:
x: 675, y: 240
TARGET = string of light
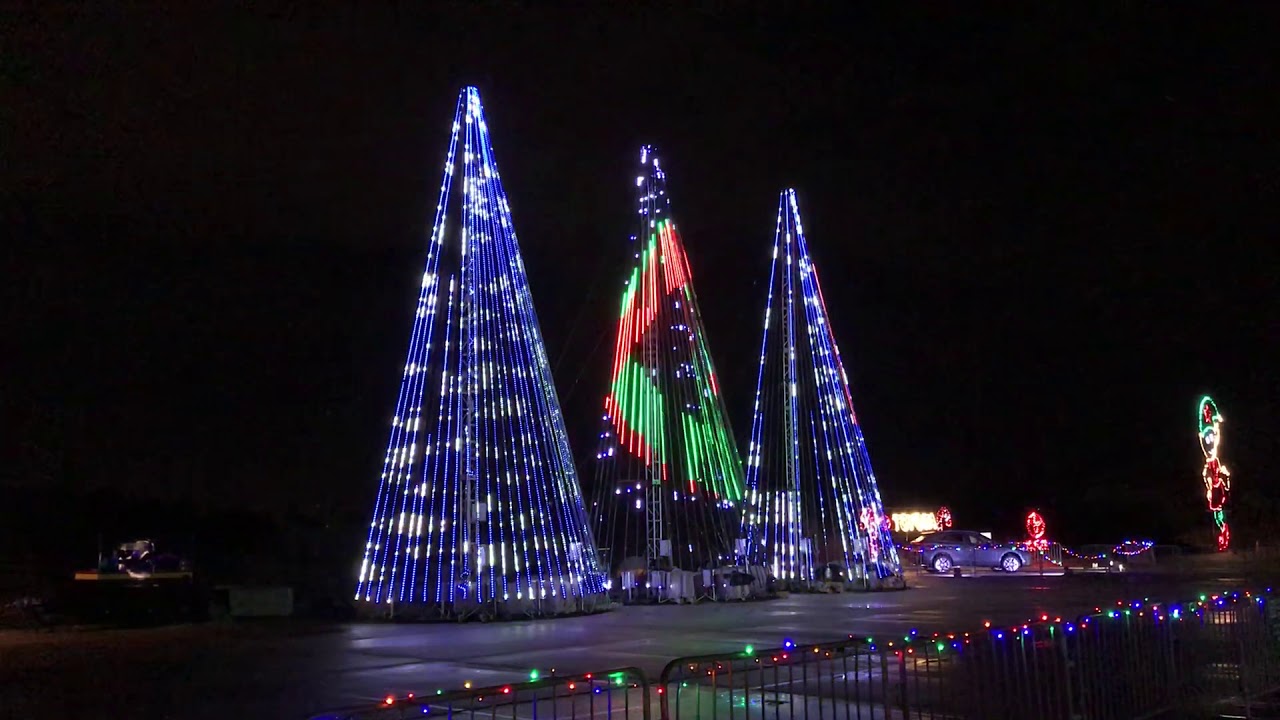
x: 991, y: 635
x: 1128, y: 548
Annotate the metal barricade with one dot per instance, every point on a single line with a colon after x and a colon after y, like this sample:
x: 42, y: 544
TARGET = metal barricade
x: 1050, y: 559
x: 622, y: 693
x: 851, y: 678
x: 1134, y: 661
x: 1177, y: 660
x: 1219, y: 655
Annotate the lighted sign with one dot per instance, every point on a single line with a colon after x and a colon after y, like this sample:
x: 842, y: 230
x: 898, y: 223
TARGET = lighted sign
x: 914, y: 522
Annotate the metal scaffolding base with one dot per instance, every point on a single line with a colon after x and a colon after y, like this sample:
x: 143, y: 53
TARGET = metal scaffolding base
x: 676, y: 586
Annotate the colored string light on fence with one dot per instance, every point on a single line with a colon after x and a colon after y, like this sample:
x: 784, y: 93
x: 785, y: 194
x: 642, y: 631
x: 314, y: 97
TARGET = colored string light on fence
x: 1128, y: 548
x: 924, y: 641
x: 1216, y: 477
x: 479, y: 506
x: 1158, y: 611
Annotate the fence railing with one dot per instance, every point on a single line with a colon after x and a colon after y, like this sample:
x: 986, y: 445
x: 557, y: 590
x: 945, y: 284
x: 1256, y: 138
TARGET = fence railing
x: 845, y: 679
x: 1128, y: 662
x: 1217, y: 655
x: 621, y: 693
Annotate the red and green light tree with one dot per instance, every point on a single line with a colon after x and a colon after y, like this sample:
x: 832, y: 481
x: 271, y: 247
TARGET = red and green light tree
x: 668, y: 473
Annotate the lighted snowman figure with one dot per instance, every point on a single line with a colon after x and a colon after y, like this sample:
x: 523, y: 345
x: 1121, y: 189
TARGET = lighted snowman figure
x: 1217, y: 479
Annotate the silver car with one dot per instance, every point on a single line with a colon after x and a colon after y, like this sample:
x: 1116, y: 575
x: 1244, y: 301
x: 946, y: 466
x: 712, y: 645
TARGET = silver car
x: 943, y: 551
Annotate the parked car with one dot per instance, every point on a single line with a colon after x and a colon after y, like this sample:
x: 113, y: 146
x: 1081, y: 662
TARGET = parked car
x: 942, y: 551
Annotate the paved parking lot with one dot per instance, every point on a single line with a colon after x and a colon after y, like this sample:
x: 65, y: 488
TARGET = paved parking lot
x: 287, y: 669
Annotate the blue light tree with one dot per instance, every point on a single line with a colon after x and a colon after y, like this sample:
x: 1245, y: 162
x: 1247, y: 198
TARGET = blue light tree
x: 813, y: 511
x: 479, y: 510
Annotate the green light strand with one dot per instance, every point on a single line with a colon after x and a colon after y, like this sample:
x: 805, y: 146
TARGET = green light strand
x: 640, y: 407
x: 710, y: 432
x: 630, y: 292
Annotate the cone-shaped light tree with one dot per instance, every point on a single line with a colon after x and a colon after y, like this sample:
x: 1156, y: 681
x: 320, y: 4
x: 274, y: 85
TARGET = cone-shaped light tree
x: 668, y: 472
x: 478, y: 510
x: 813, y: 511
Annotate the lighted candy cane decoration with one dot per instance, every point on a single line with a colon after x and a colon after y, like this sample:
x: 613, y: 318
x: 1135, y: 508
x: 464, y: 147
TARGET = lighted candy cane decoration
x: 1217, y: 479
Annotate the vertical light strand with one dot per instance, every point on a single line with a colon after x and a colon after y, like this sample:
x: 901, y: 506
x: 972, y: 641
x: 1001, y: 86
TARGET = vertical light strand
x: 840, y: 482
x: 459, y: 539
x: 503, y: 362
x: 842, y: 415
x: 440, y: 455
x: 578, y: 555
x: 508, y: 362
x: 374, y: 556
x: 750, y: 522
x: 864, y: 475
x: 441, y: 443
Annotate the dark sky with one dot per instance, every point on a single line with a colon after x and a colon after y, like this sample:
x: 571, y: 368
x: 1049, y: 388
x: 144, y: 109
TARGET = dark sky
x: 1043, y: 234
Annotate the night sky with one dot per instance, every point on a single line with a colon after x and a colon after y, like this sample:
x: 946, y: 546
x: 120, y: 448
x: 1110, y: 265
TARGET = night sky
x: 1042, y: 235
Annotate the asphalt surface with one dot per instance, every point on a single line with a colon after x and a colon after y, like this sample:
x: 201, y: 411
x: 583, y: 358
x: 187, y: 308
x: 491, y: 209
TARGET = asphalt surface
x: 293, y: 669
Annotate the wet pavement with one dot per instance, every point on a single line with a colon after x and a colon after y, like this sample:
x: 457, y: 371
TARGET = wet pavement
x: 293, y: 669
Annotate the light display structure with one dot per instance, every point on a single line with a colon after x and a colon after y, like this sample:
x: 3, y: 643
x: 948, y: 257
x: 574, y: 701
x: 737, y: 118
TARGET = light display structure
x: 479, y: 510
x: 813, y: 509
x: 942, y: 518
x: 1216, y: 477
x: 1036, y: 529
x: 668, y: 472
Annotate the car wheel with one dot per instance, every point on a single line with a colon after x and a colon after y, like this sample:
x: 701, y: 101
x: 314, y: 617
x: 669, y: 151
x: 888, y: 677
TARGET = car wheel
x: 1011, y: 563
x: 942, y: 563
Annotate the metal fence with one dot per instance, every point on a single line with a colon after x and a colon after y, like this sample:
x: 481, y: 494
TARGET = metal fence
x: 846, y: 679
x: 621, y: 693
x: 1218, y: 656
x: 1128, y: 662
